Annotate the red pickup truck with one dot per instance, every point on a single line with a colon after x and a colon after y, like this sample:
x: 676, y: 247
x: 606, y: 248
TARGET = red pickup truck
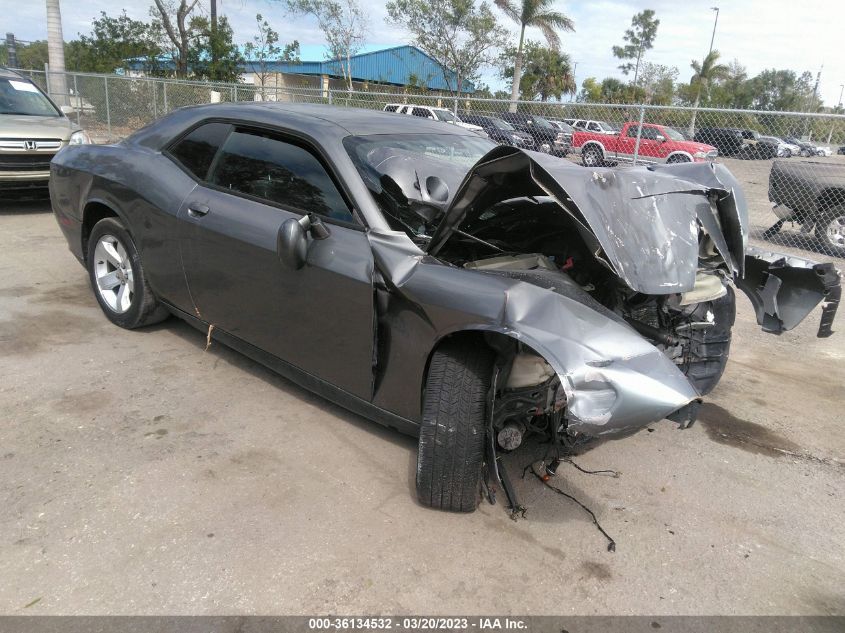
x: 658, y: 144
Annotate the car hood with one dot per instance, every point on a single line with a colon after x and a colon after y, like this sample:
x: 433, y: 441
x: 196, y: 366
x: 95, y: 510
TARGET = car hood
x: 693, y: 146
x: 643, y: 223
x: 20, y: 126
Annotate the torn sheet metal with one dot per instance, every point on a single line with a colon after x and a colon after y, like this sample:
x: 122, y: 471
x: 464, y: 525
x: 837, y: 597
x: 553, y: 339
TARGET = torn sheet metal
x: 784, y: 289
x: 644, y: 220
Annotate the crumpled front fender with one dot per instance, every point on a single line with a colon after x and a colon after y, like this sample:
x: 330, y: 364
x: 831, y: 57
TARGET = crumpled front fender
x: 614, y: 380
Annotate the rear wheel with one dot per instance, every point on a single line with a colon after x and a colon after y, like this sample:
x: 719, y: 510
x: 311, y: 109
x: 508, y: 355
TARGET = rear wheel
x: 451, y: 444
x: 118, y: 278
x: 830, y: 229
x: 592, y: 157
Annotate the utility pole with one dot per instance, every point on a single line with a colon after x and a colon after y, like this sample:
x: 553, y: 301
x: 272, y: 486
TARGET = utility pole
x: 838, y: 107
x: 12, y: 53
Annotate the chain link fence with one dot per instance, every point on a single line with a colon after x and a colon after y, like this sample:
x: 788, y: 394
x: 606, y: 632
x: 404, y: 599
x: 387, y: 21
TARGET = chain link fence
x: 791, y: 165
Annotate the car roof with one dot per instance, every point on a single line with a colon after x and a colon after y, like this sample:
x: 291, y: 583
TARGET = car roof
x: 318, y: 120
x: 5, y: 73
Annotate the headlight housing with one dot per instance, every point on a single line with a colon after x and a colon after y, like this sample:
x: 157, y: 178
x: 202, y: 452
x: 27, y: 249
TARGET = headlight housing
x: 80, y: 137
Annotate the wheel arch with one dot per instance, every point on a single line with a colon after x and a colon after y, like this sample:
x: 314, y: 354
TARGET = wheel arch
x: 680, y: 152
x: 95, y: 210
x: 597, y: 145
x: 498, y: 341
x: 830, y: 197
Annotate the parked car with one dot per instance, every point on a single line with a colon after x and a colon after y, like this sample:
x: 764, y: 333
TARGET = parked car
x: 658, y: 144
x: 807, y: 148
x: 32, y: 130
x: 841, y: 150
x: 729, y: 141
x: 824, y: 150
x: 599, y: 127
x: 812, y: 193
x: 462, y: 291
x: 500, y: 131
x: 757, y: 146
x: 564, y: 127
x: 547, y: 138
x: 784, y: 149
x: 429, y: 112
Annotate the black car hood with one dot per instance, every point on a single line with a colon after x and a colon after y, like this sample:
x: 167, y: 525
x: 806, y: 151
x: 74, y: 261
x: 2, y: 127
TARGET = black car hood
x: 641, y: 222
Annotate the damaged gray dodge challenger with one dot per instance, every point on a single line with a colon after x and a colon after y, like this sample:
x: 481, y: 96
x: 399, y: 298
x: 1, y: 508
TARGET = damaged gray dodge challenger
x: 467, y: 293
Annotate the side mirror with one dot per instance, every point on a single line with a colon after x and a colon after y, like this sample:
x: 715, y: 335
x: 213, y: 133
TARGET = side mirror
x: 292, y: 240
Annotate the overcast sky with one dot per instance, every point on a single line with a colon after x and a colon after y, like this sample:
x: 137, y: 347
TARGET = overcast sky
x: 759, y: 33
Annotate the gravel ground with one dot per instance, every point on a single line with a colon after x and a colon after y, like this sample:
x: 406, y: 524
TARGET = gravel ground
x: 140, y: 474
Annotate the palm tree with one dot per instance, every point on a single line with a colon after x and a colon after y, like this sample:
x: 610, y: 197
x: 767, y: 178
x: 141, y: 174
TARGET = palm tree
x: 705, y: 72
x: 56, y: 53
x: 534, y: 13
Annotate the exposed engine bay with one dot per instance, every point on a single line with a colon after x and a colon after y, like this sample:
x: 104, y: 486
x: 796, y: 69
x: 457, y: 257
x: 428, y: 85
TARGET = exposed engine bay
x: 655, y: 250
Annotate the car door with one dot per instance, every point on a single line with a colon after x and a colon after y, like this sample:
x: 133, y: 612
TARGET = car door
x: 319, y: 318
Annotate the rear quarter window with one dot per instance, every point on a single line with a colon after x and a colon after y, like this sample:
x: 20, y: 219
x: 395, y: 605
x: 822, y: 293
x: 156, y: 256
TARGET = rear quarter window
x: 196, y: 151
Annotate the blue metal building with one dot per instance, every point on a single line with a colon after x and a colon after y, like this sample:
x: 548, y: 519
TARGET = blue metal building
x: 397, y: 66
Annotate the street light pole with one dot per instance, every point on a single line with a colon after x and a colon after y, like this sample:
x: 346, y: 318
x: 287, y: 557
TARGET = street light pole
x: 838, y: 107
x: 715, y: 22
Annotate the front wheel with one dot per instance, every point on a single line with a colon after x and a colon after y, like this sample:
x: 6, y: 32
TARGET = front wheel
x: 678, y: 158
x: 118, y: 279
x: 452, y: 432
x: 830, y: 229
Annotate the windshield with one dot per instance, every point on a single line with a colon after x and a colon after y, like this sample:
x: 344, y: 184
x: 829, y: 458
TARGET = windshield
x: 502, y: 125
x: 19, y: 96
x: 603, y: 125
x: 414, y: 176
x: 673, y: 134
x: 445, y: 115
x: 541, y: 122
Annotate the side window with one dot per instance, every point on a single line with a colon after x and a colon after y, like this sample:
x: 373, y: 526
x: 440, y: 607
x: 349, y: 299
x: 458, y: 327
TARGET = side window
x: 422, y: 112
x: 649, y: 133
x: 196, y: 151
x: 391, y: 108
x: 632, y: 131
x: 594, y: 127
x: 283, y: 173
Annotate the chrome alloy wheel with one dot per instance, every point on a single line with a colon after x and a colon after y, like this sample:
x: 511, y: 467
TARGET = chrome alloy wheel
x: 835, y: 231
x: 113, y: 273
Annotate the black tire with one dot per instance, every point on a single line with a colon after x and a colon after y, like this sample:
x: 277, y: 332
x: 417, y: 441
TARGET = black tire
x: 592, y: 157
x: 679, y: 158
x: 709, y: 348
x: 830, y: 230
x: 144, y: 308
x: 452, y: 433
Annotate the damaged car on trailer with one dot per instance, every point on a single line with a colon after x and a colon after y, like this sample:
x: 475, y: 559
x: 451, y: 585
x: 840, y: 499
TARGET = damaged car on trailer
x: 467, y: 293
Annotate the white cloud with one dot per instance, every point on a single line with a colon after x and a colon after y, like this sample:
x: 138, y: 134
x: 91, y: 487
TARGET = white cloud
x: 759, y: 33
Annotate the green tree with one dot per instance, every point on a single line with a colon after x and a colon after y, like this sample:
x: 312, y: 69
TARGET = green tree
x: 344, y: 25
x: 460, y: 35
x: 590, y: 90
x: 113, y: 41
x: 658, y: 83
x: 172, y: 20
x: 547, y: 73
x: 731, y: 90
x: 640, y: 38
x: 783, y: 90
x: 264, y: 49
x: 212, y: 54
x: 703, y: 73
x: 538, y: 14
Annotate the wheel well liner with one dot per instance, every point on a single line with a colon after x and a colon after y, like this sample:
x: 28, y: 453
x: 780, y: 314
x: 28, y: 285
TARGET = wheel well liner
x: 93, y: 213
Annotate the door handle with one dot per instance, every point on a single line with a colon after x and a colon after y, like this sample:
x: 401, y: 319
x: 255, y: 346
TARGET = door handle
x: 197, y: 210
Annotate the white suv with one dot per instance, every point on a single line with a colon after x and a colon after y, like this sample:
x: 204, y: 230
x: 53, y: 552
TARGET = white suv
x: 429, y: 112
